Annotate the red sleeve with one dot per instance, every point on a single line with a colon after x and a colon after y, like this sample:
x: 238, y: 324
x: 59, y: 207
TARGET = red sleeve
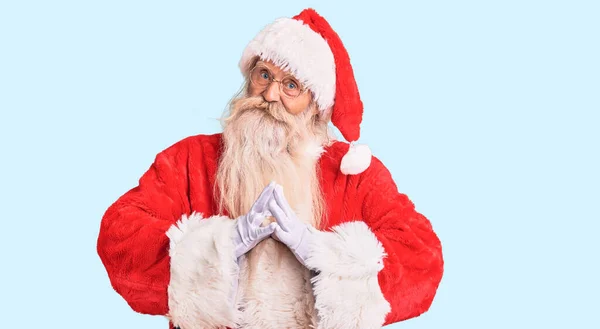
x: 132, y: 243
x: 413, y: 267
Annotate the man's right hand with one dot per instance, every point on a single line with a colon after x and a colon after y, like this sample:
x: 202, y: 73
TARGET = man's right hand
x: 248, y: 230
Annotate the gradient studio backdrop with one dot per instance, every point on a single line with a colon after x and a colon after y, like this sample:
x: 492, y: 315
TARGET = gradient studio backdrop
x: 486, y: 113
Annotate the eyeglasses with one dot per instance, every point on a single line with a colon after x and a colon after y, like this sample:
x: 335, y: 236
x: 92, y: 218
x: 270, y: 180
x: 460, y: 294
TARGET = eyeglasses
x: 261, y: 77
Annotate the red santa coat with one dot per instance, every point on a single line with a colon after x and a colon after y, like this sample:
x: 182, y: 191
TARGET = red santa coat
x: 167, y: 251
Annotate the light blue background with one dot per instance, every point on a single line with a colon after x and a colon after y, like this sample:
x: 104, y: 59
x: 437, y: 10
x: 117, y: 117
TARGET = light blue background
x: 485, y: 112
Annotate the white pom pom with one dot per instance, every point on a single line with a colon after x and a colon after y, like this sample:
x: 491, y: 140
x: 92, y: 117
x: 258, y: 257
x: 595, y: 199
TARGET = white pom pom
x: 356, y: 160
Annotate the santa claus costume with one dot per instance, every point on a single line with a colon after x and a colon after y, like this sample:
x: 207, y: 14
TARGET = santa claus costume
x: 167, y: 244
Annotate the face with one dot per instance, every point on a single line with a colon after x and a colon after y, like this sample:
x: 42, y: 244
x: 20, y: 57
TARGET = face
x: 276, y: 85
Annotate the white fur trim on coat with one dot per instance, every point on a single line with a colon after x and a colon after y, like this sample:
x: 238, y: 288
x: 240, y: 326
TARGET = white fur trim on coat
x: 203, y: 267
x: 346, y: 287
x: 294, y: 46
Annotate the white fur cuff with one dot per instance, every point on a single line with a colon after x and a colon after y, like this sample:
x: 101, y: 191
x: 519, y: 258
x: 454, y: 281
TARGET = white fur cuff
x: 203, y: 267
x: 346, y: 288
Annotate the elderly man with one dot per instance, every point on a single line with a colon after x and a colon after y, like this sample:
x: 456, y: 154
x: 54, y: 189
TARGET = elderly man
x: 274, y: 223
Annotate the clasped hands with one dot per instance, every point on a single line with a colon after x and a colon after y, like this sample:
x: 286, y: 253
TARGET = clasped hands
x: 287, y: 228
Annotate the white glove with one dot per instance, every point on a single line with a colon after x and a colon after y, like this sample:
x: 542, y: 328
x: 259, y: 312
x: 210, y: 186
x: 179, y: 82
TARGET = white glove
x: 248, y: 230
x: 295, y: 234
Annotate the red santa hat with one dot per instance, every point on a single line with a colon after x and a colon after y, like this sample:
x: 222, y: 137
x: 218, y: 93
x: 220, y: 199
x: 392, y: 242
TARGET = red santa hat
x: 311, y: 50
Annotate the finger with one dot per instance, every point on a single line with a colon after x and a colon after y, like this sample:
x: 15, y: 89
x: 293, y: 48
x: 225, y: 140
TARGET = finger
x: 282, y: 202
x: 274, y: 235
x: 264, y: 232
x: 259, y: 218
x: 264, y: 197
x: 280, y: 234
x: 279, y: 215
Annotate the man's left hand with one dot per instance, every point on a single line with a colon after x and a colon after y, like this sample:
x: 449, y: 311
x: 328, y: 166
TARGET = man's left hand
x: 295, y: 234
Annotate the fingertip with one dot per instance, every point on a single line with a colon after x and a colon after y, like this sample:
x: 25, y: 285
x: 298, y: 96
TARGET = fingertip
x: 277, y: 193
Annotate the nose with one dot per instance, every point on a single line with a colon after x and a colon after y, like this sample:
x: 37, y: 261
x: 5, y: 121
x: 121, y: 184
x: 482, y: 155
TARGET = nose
x: 271, y: 94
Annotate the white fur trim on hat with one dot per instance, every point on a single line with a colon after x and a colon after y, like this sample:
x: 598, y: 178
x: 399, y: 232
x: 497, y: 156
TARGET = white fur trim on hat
x: 292, y: 45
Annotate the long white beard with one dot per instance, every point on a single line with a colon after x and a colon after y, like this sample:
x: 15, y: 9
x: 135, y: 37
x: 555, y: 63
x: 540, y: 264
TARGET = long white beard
x: 261, y: 143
